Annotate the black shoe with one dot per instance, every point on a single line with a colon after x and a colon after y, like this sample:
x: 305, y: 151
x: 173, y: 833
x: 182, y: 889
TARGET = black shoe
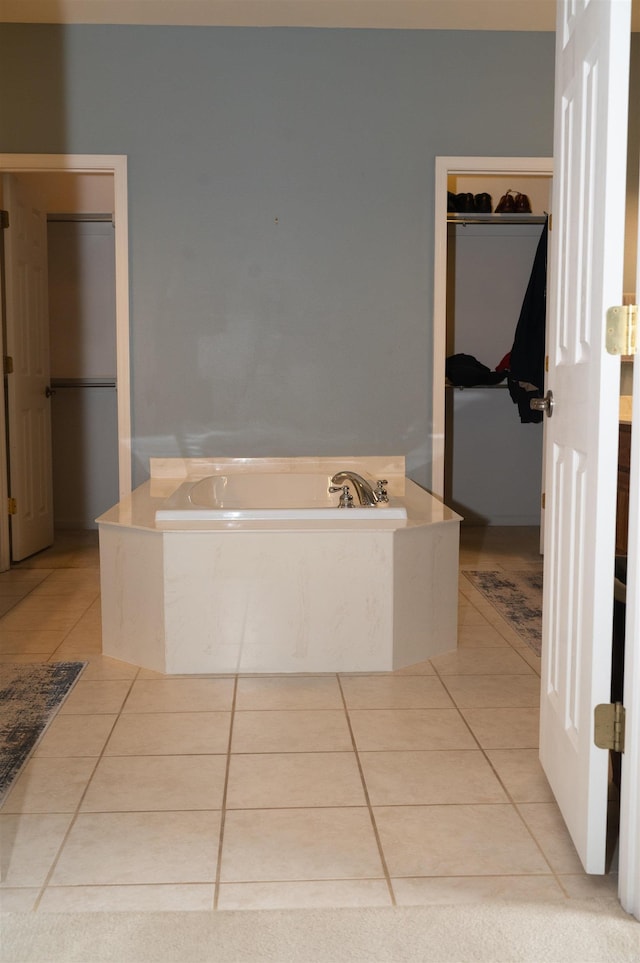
x: 465, y: 204
x: 506, y: 204
x: 483, y: 203
x: 451, y: 203
x: 522, y: 204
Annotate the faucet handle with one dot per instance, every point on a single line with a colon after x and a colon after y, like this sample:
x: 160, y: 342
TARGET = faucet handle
x: 346, y: 498
x: 381, y: 491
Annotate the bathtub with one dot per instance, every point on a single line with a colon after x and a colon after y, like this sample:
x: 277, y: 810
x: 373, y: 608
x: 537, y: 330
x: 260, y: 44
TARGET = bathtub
x: 247, y: 565
x: 264, y: 496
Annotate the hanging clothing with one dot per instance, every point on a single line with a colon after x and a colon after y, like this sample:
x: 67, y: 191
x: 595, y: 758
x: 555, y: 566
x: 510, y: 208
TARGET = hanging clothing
x: 526, y: 377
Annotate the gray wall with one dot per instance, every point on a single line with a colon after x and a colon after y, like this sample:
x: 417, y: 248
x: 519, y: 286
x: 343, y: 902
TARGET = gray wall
x: 281, y: 213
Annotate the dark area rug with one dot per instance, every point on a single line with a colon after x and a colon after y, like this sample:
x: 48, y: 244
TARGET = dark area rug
x: 517, y: 596
x: 30, y: 696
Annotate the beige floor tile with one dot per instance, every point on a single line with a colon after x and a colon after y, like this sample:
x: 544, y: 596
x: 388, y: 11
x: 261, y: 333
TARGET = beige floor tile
x: 88, y: 698
x: 548, y: 828
x: 180, y: 695
x: 154, y: 783
x: 105, y: 849
x: 397, y: 729
x: 457, y: 841
x: 170, y: 733
x: 494, y: 691
x: 18, y: 900
x: 394, y: 692
x: 485, y: 661
x: 429, y: 778
x: 475, y: 889
x: 29, y: 844
x: 42, y: 641
x: 63, y: 582
x: 317, y: 894
x: 75, y: 735
x: 27, y: 578
x: 294, y: 692
x: 55, y: 613
x: 521, y: 774
x: 12, y: 658
x: 101, y: 668
x: 159, y: 898
x: 287, y: 780
x: 321, y: 730
x: 78, y: 650
x: 480, y: 636
x: 530, y: 658
x: 7, y: 603
x: 419, y: 668
x: 504, y: 728
x: 582, y: 886
x: 299, y: 844
x: 49, y: 786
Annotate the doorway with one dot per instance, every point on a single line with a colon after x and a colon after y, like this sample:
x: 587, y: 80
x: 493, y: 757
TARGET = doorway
x: 79, y: 174
x: 495, y: 175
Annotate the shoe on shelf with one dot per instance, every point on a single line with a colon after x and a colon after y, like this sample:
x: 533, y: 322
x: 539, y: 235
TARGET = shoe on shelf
x: 465, y: 204
x: 522, y: 204
x: 506, y: 204
x: 483, y: 203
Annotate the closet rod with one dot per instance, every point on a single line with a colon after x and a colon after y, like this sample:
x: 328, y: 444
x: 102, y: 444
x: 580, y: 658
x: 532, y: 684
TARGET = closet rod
x: 465, y: 219
x: 80, y: 218
x: 83, y: 383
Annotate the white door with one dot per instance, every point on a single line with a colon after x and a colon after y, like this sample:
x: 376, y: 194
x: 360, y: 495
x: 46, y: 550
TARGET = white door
x: 592, y: 70
x: 629, y: 864
x: 28, y: 402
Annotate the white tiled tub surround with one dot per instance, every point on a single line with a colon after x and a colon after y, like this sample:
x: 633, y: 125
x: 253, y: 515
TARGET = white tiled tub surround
x: 343, y: 595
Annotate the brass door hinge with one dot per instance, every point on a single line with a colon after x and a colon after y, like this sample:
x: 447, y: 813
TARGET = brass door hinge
x: 8, y: 364
x: 4, y: 219
x: 13, y: 506
x: 622, y: 330
x: 609, y: 726
x: 543, y: 501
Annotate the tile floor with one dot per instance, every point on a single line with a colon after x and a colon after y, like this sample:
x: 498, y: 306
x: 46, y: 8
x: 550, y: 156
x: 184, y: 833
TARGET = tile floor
x: 156, y: 793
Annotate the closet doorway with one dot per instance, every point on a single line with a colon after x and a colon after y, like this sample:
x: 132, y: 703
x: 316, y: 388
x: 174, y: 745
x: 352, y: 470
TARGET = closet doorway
x: 486, y: 463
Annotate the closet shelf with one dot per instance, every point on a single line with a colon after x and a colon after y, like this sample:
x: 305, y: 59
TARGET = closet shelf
x: 503, y: 385
x: 496, y: 218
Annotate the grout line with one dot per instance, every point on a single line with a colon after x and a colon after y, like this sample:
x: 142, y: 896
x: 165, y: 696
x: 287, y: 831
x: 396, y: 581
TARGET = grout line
x: 365, y: 789
x: 223, y: 804
x: 76, y: 813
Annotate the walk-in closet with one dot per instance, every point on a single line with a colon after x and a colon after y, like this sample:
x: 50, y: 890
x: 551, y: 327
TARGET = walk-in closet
x: 493, y: 461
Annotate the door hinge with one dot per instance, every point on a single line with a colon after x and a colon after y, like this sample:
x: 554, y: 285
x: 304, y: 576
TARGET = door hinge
x: 543, y: 501
x: 4, y: 219
x: 8, y: 364
x: 13, y: 506
x: 609, y: 726
x: 622, y: 329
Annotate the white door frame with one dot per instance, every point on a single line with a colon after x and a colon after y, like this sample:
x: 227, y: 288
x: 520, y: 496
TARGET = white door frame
x: 115, y: 164
x: 532, y: 166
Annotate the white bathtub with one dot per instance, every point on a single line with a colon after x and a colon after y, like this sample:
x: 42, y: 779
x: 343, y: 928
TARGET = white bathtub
x: 265, y: 496
x: 247, y: 565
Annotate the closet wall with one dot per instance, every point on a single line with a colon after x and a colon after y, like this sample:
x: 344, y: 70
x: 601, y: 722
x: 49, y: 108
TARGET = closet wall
x: 83, y: 369
x: 493, y: 461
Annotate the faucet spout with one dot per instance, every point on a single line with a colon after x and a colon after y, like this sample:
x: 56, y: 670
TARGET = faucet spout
x: 364, y: 491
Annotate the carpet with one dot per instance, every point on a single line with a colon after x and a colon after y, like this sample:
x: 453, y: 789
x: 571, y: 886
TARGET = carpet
x: 517, y: 596
x: 30, y: 696
x: 566, y: 931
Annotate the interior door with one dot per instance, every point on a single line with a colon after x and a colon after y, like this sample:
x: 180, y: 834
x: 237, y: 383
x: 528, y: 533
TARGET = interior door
x: 28, y: 401
x: 587, y: 242
x: 629, y: 864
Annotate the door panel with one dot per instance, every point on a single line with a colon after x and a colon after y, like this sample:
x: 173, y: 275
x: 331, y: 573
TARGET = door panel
x: 28, y: 406
x: 592, y: 68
